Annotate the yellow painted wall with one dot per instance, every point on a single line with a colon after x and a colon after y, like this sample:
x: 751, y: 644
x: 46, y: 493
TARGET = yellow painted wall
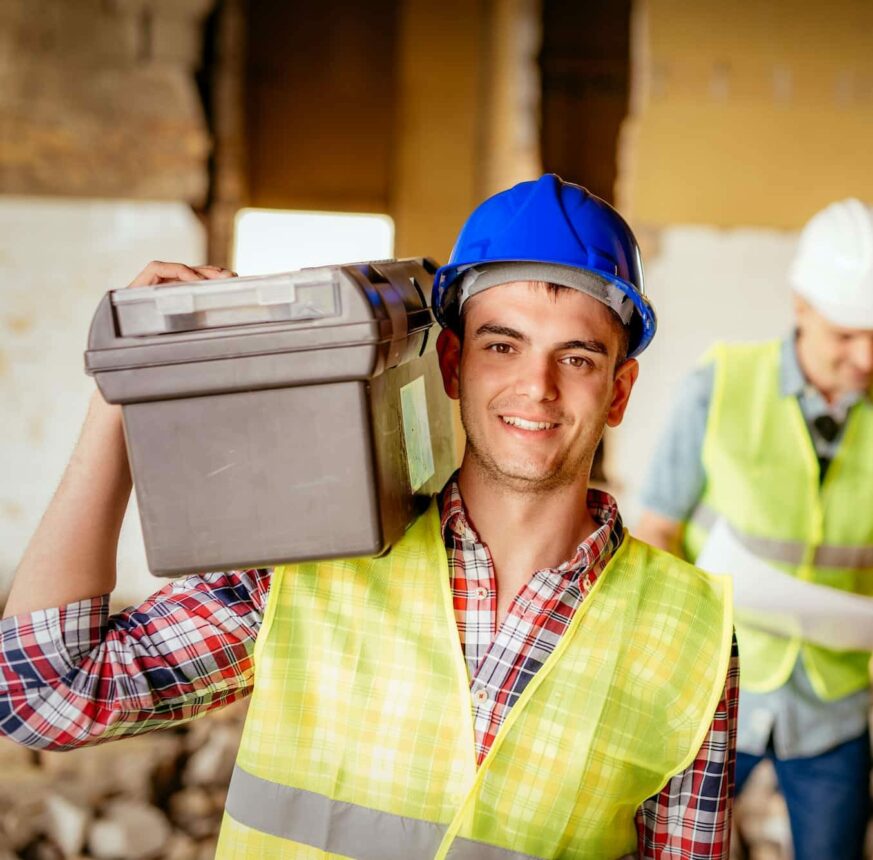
x: 438, y: 176
x: 753, y: 112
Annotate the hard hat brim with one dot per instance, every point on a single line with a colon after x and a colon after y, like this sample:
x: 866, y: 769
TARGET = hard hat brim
x: 642, y: 325
x: 850, y: 316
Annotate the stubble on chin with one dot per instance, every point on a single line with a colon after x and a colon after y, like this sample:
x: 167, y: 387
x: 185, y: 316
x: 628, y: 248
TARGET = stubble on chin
x: 515, y: 479
x: 520, y: 477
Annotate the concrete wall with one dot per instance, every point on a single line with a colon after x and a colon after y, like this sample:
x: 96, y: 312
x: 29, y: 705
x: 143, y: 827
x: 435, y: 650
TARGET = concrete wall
x: 98, y: 99
x: 99, y: 109
x: 706, y: 284
x: 57, y: 258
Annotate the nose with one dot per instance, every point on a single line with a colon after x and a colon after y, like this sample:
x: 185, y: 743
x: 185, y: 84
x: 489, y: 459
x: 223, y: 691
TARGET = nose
x: 536, y: 378
x: 862, y: 353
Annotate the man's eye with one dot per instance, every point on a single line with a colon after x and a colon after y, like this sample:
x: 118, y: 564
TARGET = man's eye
x: 576, y: 361
x: 500, y: 347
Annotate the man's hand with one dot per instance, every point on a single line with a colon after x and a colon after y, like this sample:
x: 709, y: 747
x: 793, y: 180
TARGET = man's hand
x: 157, y: 273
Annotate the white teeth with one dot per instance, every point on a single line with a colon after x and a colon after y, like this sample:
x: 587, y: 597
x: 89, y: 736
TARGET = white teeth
x: 527, y: 425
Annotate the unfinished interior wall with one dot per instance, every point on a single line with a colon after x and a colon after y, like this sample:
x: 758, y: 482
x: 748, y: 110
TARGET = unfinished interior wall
x: 744, y: 120
x: 98, y: 99
x: 747, y: 113
x: 511, y: 150
x: 320, y: 104
x: 413, y: 108
x: 467, y: 110
x: 585, y: 89
x: 437, y: 170
x: 57, y: 258
x: 103, y: 151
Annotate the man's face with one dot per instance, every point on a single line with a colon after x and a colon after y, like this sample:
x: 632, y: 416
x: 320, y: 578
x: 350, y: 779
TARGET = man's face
x: 537, y: 382
x: 838, y: 360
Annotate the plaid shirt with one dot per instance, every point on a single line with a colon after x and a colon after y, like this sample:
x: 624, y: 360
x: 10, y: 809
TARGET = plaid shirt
x: 502, y: 662
x: 690, y: 818
x: 78, y: 675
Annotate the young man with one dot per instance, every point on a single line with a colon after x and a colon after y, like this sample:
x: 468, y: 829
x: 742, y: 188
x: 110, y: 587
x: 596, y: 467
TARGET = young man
x: 777, y: 438
x: 516, y: 678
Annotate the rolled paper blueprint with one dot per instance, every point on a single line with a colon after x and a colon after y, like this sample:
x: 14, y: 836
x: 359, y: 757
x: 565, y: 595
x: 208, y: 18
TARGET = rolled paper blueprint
x: 773, y: 601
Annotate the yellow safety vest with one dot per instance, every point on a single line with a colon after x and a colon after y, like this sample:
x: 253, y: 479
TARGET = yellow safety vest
x: 359, y: 740
x: 762, y: 476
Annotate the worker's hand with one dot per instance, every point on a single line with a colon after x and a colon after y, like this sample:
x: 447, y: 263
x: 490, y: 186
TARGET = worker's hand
x: 154, y: 274
x: 157, y: 273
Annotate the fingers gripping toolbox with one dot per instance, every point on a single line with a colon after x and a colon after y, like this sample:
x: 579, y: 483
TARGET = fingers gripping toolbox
x: 280, y: 418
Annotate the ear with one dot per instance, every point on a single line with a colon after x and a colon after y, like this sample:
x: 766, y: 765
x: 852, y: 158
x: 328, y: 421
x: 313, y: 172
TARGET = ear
x: 802, y: 310
x: 449, y: 350
x: 622, y: 384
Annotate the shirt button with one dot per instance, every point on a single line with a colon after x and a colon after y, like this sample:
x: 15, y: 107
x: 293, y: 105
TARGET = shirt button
x: 481, y: 592
x: 480, y: 696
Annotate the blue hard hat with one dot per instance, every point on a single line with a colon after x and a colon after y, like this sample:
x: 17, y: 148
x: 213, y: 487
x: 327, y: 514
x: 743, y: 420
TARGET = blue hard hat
x: 560, y: 225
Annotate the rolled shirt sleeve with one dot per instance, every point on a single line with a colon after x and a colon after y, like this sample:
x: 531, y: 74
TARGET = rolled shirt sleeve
x: 77, y: 675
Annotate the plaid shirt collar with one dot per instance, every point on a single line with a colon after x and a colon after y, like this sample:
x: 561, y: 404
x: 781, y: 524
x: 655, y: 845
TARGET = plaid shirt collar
x: 592, y: 553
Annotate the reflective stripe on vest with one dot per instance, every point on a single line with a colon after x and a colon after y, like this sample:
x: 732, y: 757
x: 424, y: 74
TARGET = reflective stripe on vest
x: 789, y: 551
x: 337, y: 827
x: 361, y: 713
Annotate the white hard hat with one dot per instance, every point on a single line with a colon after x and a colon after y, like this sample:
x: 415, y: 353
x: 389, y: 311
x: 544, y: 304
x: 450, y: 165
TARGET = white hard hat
x: 833, y: 266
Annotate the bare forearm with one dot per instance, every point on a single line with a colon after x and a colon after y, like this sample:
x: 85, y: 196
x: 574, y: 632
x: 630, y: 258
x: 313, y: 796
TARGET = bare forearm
x: 660, y: 531
x: 72, y: 554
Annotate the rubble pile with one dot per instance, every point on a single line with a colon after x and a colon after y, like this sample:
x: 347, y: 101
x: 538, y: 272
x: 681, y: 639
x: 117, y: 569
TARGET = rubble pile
x: 160, y: 795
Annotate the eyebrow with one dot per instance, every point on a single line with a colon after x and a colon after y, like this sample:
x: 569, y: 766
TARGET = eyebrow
x: 502, y: 331
x: 586, y: 345
x: 595, y: 346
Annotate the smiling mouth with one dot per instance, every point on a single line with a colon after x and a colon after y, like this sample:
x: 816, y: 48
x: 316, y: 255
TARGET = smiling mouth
x: 524, y: 424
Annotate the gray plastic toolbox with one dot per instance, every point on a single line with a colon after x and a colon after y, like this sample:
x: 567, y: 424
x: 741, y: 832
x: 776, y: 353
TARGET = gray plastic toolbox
x: 281, y: 418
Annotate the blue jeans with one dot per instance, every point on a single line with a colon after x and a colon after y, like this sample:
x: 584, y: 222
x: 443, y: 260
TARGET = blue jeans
x: 828, y: 797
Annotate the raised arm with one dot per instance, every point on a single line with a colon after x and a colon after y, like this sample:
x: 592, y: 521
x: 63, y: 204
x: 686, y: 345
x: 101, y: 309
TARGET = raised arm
x: 72, y: 554
x: 71, y: 674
